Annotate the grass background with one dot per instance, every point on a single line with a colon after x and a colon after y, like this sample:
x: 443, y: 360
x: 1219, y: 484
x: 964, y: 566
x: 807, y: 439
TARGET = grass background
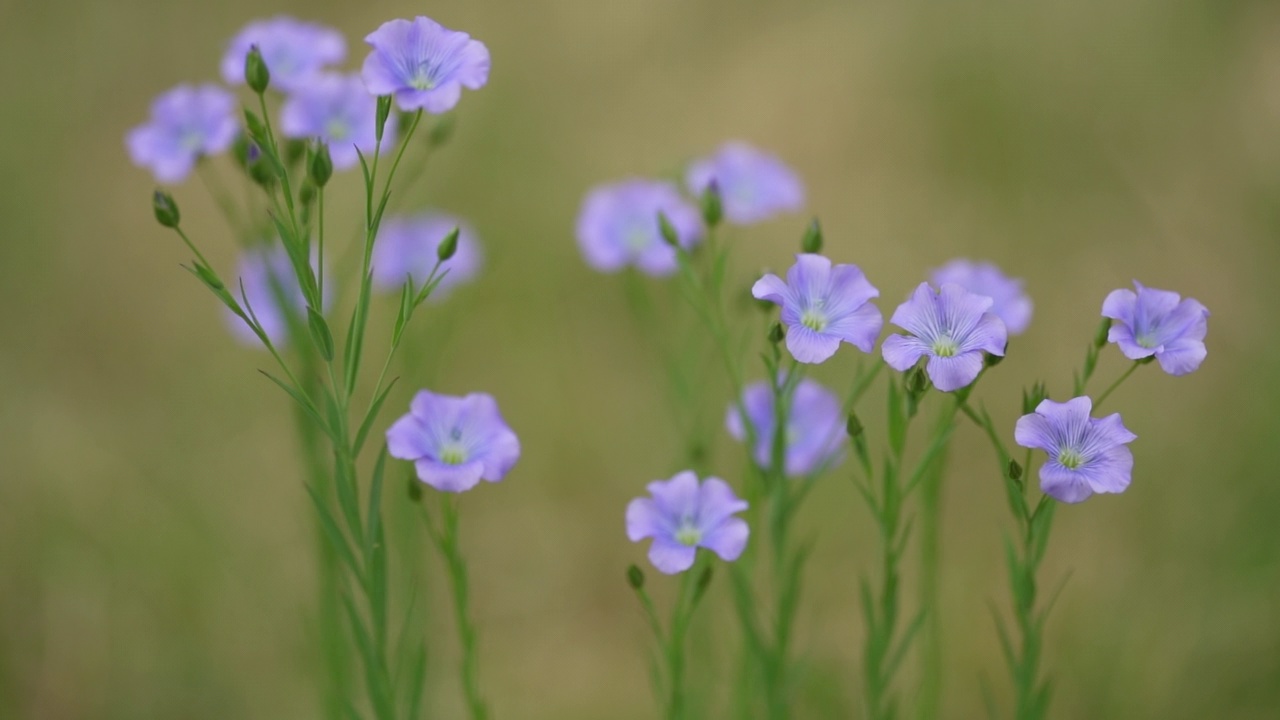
x: 155, y: 542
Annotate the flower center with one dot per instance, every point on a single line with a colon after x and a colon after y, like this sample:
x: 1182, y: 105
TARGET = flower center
x: 1070, y: 458
x: 945, y: 347
x: 423, y: 79
x: 814, y: 319
x: 1147, y: 340
x: 192, y: 140
x: 453, y: 451
x: 636, y: 239
x: 688, y: 535
x: 338, y: 130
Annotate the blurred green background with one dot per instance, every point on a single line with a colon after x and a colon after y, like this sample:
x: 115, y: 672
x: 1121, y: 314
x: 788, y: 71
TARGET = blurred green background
x: 156, y: 547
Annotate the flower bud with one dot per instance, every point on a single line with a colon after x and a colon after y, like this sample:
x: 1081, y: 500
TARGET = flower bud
x: 853, y: 426
x: 668, y: 230
x: 1032, y: 398
x: 415, y: 489
x: 1015, y: 470
x: 448, y: 246
x: 307, y: 193
x: 916, y: 381
x: 704, y: 580
x: 166, y: 209
x: 635, y: 577
x: 256, y: 74
x: 991, y: 360
x: 320, y: 165
x: 812, y: 240
x: 775, y: 333
x: 1104, y: 329
x: 295, y: 150
x: 712, y: 206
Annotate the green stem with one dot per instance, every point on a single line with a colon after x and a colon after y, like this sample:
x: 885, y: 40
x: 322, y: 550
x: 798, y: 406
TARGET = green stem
x: 1107, y: 393
x: 466, y: 628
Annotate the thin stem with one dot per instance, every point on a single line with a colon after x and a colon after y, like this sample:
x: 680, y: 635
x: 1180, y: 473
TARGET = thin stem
x: 1107, y: 393
x: 466, y: 628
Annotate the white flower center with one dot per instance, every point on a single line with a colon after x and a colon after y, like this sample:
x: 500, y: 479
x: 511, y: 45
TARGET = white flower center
x: 945, y: 347
x: 1070, y: 458
x: 687, y: 534
x: 337, y: 130
x: 814, y: 319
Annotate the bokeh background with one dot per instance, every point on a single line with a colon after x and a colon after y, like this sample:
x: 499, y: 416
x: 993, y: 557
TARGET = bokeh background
x: 156, y: 547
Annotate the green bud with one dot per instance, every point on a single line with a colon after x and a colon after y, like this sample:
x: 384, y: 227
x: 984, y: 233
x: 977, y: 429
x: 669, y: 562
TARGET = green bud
x: 448, y: 246
x: 1032, y: 398
x: 812, y: 240
x: 1146, y: 360
x: 712, y: 205
x: 307, y: 193
x: 668, y: 230
x: 1104, y: 329
x: 853, y: 426
x: 166, y: 209
x: 295, y: 150
x: 1015, y: 470
x: 776, y: 334
x: 320, y: 165
x: 256, y: 74
x: 992, y: 360
x: 415, y: 489
x: 704, y: 580
x: 916, y: 381
x: 635, y: 577
x: 384, y: 111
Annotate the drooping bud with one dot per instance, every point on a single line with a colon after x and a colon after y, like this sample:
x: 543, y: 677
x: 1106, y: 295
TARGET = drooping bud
x: 1032, y: 398
x: 256, y: 74
x: 166, y: 209
x: 812, y: 240
x: 775, y: 333
x: 635, y: 577
x: 384, y: 112
x: 712, y: 205
x: 448, y: 246
x: 320, y: 165
x: 667, y: 230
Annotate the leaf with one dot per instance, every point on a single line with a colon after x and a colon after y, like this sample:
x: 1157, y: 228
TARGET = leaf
x: 301, y: 400
x: 320, y: 334
x: 331, y: 531
x: 369, y: 419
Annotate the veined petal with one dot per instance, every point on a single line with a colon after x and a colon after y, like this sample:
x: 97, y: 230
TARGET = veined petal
x: 771, y: 288
x: 1059, y: 483
x: 859, y: 328
x: 1035, y: 431
x: 716, y: 501
x: 1119, y: 305
x: 671, y: 557
x: 809, y: 346
x: 677, y: 497
x: 407, y: 439
x: 810, y: 276
x: 728, y: 539
x: 919, y: 315
x: 1111, y: 472
x: 953, y: 373
x: 449, y: 478
x: 1181, y: 356
x: 903, y: 351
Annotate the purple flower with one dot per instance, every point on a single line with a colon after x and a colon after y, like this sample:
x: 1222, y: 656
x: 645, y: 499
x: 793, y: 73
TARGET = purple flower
x: 952, y: 328
x: 1009, y: 302
x: 1086, y: 456
x: 1160, y: 323
x: 814, y: 433
x: 186, y: 123
x: 407, y: 246
x: 683, y: 516
x: 618, y: 226
x: 754, y: 185
x: 454, y: 442
x: 823, y: 305
x: 294, y: 51
x: 424, y: 64
x: 271, y: 287
x: 339, y: 111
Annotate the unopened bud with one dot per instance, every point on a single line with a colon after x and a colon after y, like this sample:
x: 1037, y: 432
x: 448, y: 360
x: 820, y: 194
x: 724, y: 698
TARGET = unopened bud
x: 776, y: 334
x: 166, y: 209
x: 712, y: 205
x: 812, y: 240
x: 256, y: 74
x: 853, y: 426
x: 320, y: 166
x: 1032, y: 398
x: 415, y: 489
x: 635, y: 577
x: 992, y: 359
x: 1015, y: 470
x: 448, y: 246
x: 1104, y: 330
x: 703, y: 581
x: 667, y: 230
x: 916, y: 381
x: 307, y: 193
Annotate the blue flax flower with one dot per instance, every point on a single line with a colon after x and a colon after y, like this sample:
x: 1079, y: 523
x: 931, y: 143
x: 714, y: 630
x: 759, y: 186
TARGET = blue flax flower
x: 186, y: 123
x: 454, y: 442
x: 424, y: 64
x: 407, y: 246
x: 815, y: 426
x: 1160, y: 323
x: 754, y: 185
x: 1086, y: 455
x: 952, y: 327
x: 683, y: 516
x: 337, y: 110
x: 822, y: 306
x: 1009, y: 302
x: 294, y: 51
x: 618, y: 226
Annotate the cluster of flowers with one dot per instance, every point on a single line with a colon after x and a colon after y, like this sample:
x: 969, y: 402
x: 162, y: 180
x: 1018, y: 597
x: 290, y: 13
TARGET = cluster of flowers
x: 955, y: 323
x: 422, y: 64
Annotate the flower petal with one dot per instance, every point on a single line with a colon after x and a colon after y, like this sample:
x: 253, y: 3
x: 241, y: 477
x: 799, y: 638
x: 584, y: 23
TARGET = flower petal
x: 902, y: 351
x: 728, y: 540
x: 449, y: 478
x: 644, y: 520
x: 407, y: 439
x: 953, y: 373
x: 1120, y: 305
x: 859, y: 328
x: 771, y: 288
x: 809, y: 346
x: 671, y: 557
x: 1035, y: 431
x: 1181, y: 356
x: 716, y: 502
x: 810, y: 276
x: 1111, y: 472
x: 677, y: 497
x: 1059, y: 483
